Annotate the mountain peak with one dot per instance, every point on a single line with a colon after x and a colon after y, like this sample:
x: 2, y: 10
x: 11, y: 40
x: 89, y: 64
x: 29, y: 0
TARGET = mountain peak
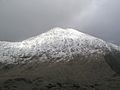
x: 56, y: 43
x: 68, y: 30
x: 58, y: 59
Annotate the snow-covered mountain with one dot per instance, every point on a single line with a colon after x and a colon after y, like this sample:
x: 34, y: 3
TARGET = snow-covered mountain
x: 55, y: 45
x: 60, y: 59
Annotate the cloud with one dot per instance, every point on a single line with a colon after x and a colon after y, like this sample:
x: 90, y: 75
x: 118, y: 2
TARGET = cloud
x: 100, y: 19
x: 20, y: 19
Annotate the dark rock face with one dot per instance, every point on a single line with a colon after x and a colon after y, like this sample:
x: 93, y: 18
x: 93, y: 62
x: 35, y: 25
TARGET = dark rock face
x: 97, y: 73
x: 113, y: 59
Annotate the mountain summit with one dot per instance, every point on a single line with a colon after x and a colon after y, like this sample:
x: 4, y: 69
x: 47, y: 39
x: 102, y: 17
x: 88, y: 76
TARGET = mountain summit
x: 60, y: 59
x: 55, y: 45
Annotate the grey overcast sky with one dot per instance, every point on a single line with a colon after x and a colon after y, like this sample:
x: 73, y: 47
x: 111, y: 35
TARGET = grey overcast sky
x: 21, y: 19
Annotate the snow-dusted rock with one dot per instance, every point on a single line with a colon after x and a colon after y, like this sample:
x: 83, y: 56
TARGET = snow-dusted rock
x: 55, y: 45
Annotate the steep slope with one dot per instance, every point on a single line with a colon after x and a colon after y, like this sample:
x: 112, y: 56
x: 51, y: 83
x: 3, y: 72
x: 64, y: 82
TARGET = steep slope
x: 60, y: 59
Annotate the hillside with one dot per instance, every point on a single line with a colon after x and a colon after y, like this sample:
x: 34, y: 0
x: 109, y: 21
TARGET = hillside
x: 60, y: 59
